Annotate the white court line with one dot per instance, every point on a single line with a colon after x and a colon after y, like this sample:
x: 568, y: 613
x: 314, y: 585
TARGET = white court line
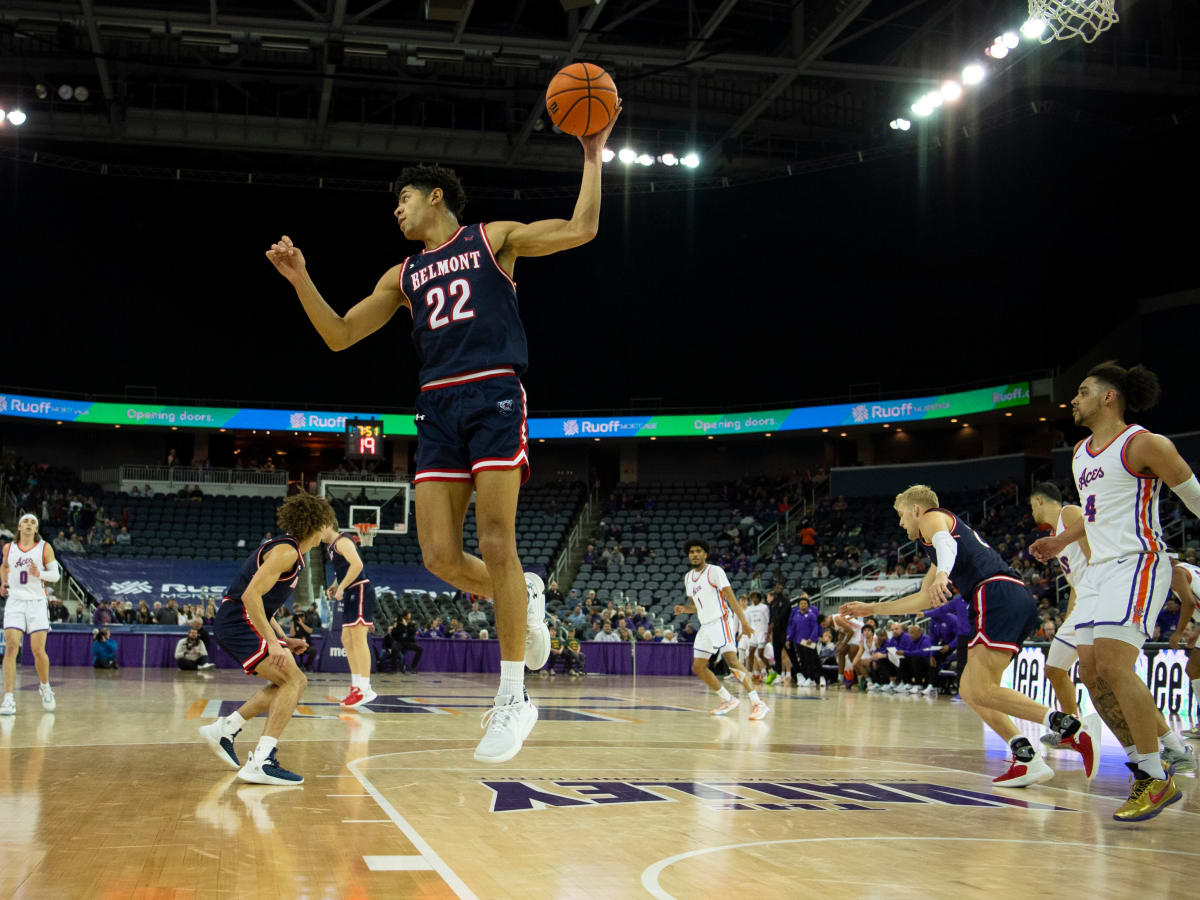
x: 364, y: 821
x: 397, y: 863
x: 651, y: 873
x: 436, y: 863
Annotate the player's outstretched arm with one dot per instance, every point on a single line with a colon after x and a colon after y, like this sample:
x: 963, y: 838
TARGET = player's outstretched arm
x: 921, y: 600
x: 510, y: 240
x: 364, y: 318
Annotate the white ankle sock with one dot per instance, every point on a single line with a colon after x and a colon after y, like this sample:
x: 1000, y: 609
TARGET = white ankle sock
x: 512, y: 679
x: 723, y: 694
x: 1151, y: 764
x: 265, y: 746
x: 1171, y: 741
x: 1131, y: 752
x: 356, y: 681
x: 233, y: 723
x: 44, y: 686
x: 1046, y: 718
x: 754, y: 696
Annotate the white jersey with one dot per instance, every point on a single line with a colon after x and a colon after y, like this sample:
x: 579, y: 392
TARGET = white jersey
x: 22, y: 583
x: 1071, y: 560
x: 856, y: 625
x: 1193, y: 577
x: 704, y: 589
x: 1120, y: 507
x: 758, y: 617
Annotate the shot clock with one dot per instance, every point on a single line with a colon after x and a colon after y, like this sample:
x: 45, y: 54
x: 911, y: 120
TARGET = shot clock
x: 364, y: 439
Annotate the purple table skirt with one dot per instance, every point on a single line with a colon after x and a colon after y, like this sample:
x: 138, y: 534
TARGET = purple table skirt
x: 155, y: 649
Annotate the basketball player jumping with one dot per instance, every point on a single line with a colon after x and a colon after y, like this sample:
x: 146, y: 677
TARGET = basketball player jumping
x: 247, y: 630
x: 471, y: 429
x: 711, y: 598
x: 1003, y: 615
x: 1120, y: 470
x: 27, y: 566
x: 353, y: 590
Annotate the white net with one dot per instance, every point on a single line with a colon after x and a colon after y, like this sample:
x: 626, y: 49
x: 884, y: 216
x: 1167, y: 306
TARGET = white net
x: 366, y: 533
x: 1064, y: 19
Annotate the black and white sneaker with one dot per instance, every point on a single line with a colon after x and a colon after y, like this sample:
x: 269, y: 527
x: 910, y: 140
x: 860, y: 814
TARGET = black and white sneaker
x: 267, y: 771
x: 221, y: 743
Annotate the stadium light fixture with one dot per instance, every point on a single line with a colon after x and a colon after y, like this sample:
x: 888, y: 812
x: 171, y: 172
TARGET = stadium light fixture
x: 997, y: 50
x: 17, y: 117
x: 1033, y: 28
x: 645, y: 159
x: 934, y: 99
x: 922, y: 108
x: 669, y: 159
x: 627, y: 155
x: 691, y: 160
x: 3, y: 116
x: 972, y: 74
x: 607, y: 155
x: 65, y: 92
x: 81, y: 93
x: 951, y: 91
x: 899, y: 124
x: 1010, y: 39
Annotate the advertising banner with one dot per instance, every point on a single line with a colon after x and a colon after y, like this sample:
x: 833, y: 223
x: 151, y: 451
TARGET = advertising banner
x: 402, y: 424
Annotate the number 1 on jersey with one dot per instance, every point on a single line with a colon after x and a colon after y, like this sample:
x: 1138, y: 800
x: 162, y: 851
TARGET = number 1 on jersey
x: 1089, y: 508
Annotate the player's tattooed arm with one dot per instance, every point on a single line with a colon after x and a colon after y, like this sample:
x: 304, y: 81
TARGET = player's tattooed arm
x: 1110, y: 711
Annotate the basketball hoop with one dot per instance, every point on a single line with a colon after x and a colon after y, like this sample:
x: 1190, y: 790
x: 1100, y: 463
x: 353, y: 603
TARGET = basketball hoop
x: 1065, y: 19
x: 366, y: 533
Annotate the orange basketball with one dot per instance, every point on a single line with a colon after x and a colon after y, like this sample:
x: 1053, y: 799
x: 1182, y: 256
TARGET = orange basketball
x: 581, y: 99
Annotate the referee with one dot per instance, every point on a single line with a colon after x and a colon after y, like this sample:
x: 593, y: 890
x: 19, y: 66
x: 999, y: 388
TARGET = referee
x: 781, y: 610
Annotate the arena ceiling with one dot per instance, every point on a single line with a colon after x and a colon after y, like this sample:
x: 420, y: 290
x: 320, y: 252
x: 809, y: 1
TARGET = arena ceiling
x: 751, y: 85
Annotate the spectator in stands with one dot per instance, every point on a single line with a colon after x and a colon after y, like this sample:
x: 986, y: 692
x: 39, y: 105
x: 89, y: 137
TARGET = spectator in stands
x: 669, y: 637
x: 82, y: 614
x: 589, y: 556
x: 574, y: 655
x: 210, y: 613
x: 166, y: 615
x: 826, y: 648
x: 623, y: 632
x: 143, y: 615
x: 590, y: 603
x: 554, y: 597
x: 688, y: 635
x: 123, y: 538
x: 172, y: 457
x: 104, y: 649
x: 914, y: 664
x: 557, y: 627
x: 127, y: 615
x: 456, y: 631
x: 577, y: 619
x: 103, y: 614
x: 476, y: 618
x: 1168, y: 619
x: 190, y: 652
x: 197, y: 625
x: 607, y: 634
x: 58, y: 612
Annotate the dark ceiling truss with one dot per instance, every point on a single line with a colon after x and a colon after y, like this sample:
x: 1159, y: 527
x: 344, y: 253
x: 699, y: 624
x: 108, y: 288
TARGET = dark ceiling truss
x: 750, y: 83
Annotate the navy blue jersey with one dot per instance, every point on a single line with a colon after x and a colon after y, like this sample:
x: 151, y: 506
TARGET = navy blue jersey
x: 976, y: 560
x: 281, y: 592
x: 464, y: 308
x: 341, y: 565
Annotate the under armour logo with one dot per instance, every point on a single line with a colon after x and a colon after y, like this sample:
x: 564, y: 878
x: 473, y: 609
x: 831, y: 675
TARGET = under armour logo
x: 419, y: 417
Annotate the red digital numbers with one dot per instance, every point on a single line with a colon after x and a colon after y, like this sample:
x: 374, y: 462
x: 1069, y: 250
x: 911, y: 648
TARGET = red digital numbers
x: 366, y: 446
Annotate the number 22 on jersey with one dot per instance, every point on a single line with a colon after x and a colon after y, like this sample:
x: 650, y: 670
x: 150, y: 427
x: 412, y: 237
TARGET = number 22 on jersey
x: 460, y: 293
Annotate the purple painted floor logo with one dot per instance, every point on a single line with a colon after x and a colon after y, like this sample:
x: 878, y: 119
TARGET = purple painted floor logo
x: 522, y: 794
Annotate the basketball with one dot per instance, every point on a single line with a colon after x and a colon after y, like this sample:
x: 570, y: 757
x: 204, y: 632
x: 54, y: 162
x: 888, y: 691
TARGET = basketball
x: 581, y: 99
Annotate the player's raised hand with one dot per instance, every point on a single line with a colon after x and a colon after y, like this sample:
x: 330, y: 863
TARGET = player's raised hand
x: 287, y: 258
x: 34, y: 571
x: 594, y: 143
x: 854, y: 609
x: 679, y: 610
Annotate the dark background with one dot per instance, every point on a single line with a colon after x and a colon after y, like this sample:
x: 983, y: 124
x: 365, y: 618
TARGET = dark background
x: 1002, y: 255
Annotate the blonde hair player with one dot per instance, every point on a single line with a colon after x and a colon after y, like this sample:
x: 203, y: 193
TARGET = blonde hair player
x: 1119, y: 471
x: 1003, y: 615
x: 712, y: 599
x: 28, y: 566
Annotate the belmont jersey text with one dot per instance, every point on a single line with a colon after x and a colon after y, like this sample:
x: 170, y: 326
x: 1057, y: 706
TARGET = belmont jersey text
x: 459, y: 262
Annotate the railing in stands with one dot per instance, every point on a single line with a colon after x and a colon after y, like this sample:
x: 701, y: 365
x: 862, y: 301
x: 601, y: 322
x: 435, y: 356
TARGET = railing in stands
x: 575, y: 536
x: 1001, y: 498
x: 386, y: 477
x: 185, y: 475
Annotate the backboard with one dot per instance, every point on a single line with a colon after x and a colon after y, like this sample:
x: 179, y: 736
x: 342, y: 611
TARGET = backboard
x: 386, y: 503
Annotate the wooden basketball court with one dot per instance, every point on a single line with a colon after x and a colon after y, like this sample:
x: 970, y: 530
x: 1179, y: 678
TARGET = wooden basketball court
x: 625, y: 789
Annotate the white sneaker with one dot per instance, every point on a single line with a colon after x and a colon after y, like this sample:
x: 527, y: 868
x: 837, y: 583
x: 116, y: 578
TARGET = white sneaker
x: 507, y: 725
x: 888, y: 688
x: 537, y: 635
x: 221, y: 743
x: 759, y: 710
x: 267, y: 771
x: 48, y: 702
x: 9, y: 706
x: 726, y: 706
x: 914, y: 689
x: 929, y: 689
x: 872, y: 687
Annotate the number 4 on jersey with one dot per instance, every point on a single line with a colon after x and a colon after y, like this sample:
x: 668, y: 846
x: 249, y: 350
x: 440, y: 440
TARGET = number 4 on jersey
x: 1089, y: 508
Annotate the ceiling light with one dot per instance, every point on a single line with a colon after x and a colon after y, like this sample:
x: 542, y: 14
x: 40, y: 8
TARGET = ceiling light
x: 1010, y: 39
x: 17, y: 117
x: 972, y: 74
x: 951, y: 90
x: 691, y: 160
x: 645, y: 159
x: 65, y: 92
x: 1033, y: 28
x: 607, y: 155
x: 922, y: 108
x: 627, y: 155
x: 42, y: 91
x: 669, y: 159
x: 81, y: 93
x: 934, y: 99
x: 997, y: 50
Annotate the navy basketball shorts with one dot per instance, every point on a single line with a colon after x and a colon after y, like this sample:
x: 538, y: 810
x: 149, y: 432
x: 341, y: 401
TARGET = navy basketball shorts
x: 358, y: 604
x: 237, y: 636
x: 1003, y: 614
x: 471, y: 423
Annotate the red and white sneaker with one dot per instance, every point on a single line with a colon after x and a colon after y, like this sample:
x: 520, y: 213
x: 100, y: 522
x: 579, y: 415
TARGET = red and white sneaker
x: 1084, y: 742
x: 1022, y: 774
x: 726, y: 706
x: 759, y: 710
x: 357, y: 698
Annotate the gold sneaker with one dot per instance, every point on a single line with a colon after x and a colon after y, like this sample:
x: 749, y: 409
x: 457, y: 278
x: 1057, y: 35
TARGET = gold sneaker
x: 1148, y: 797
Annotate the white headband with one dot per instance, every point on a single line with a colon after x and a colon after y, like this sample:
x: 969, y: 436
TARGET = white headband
x: 28, y: 516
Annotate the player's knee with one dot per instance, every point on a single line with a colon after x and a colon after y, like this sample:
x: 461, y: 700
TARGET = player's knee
x: 497, y: 546
x: 1108, y: 669
x: 440, y: 559
x: 972, y: 691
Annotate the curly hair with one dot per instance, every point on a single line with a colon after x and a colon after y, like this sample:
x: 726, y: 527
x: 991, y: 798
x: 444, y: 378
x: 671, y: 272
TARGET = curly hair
x: 302, y: 515
x: 696, y: 542
x: 426, y: 178
x: 1137, y: 389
